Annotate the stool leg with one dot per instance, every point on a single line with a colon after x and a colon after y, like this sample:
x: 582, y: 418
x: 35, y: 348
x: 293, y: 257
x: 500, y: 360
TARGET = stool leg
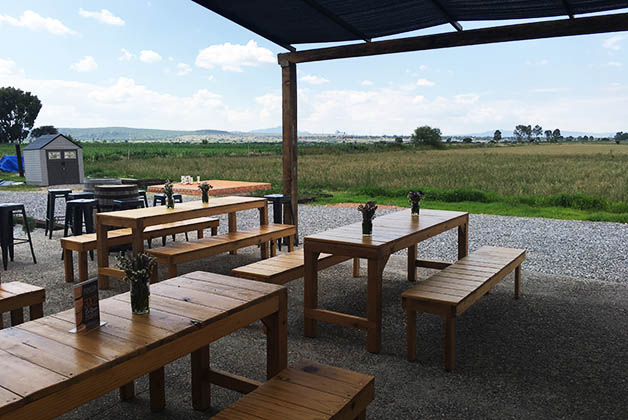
x: 186, y: 237
x: 66, y: 222
x: 47, y: 215
x: 88, y: 214
x: 163, y: 241
x: 4, y: 238
x: 28, y: 234
x: 51, y: 215
x: 10, y: 237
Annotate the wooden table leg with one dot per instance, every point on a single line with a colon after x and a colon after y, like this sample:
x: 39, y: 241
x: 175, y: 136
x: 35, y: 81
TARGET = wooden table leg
x: 463, y: 239
x: 356, y: 267
x: 412, y: 263
x: 127, y: 391
x: 200, y: 234
x: 310, y: 289
x: 233, y: 227
x: 82, y: 266
x: 137, y: 233
x: 17, y: 317
x: 36, y: 311
x: 277, y: 338
x: 450, y: 342
x: 201, y: 391
x: 68, y: 265
x: 374, y: 306
x: 103, y: 253
x: 157, y: 385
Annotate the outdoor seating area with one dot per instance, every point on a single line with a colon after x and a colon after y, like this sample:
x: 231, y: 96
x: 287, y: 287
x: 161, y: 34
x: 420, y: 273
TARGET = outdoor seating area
x: 445, y: 284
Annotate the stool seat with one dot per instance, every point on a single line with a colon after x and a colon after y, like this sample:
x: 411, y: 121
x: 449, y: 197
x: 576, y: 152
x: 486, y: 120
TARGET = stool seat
x: 80, y: 195
x: 278, y: 200
x: 127, y: 204
x: 161, y: 199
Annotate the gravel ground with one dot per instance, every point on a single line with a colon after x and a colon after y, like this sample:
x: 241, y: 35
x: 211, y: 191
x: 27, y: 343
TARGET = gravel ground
x: 558, y: 352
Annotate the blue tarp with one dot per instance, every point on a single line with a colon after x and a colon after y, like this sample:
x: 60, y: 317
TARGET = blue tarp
x: 9, y: 163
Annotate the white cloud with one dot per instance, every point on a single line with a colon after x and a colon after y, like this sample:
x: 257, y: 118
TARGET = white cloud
x: 366, y: 83
x: 549, y: 90
x: 183, y: 69
x: 36, y: 22
x: 210, y: 78
x: 84, y: 65
x: 615, y: 64
x: 313, y: 79
x: 613, y: 43
x: 8, y: 68
x: 149, y: 56
x: 126, y: 55
x: 422, y: 67
x: 170, y: 58
x: 424, y: 82
x: 104, y: 16
x: 233, y: 57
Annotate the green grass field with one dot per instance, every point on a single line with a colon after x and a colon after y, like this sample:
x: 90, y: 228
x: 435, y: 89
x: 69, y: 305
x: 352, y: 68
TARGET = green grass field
x: 570, y: 181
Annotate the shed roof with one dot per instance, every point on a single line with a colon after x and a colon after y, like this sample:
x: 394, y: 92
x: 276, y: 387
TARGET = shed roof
x: 42, y: 141
x: 288, y: 22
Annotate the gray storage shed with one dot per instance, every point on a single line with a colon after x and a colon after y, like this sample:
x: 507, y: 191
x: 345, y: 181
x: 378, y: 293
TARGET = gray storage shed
x: 53, y: 159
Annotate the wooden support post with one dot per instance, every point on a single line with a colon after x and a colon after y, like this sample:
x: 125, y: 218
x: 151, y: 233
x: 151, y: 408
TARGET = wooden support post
x: 411, y: 333
x: 517, y: 281
x: 127, y: 391
x: 157, y: 386
x: 356, y: 267
x: 374, y: 306
x: 103, y: 253
x: 82, y: 265
x: 201, y: 397
x: 463, y: 239
x: 412, y: 253
x: 290, y: 139
x: 233, y: 227
x: 310, y: 287
x: 36, y: 311
x: 68, y: 265
x: 17, y: 317
x: 199, y: 234
x: 277, y: 337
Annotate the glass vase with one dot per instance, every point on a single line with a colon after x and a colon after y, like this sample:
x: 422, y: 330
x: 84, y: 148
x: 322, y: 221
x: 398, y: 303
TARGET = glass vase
x: 205, y: 197
x: 169, y: 202
x: 415, y: 207
x: 367, y: 227
x: 140, y: 296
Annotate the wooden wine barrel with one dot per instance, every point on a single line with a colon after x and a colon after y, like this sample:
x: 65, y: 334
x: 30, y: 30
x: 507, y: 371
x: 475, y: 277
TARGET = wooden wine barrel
x: 90, y: 183
x: 105, y: 194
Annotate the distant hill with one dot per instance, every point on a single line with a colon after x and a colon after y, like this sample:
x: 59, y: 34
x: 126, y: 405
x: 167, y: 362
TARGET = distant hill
x: 273, y: 131
x: 508, y: 133
x: 126, y: 133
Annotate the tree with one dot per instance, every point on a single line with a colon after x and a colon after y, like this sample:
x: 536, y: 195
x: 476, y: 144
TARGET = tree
x: 18, y: 111
x: 548, y: 135
x: 620, y: 136
x: 523, y: 131
x: 537, y: 131
x: 556, y: 135
x: 467, y: 140
x: 497, y: 136
x: 43, y: 130
x: 398, y: 140
x: 427, y: 136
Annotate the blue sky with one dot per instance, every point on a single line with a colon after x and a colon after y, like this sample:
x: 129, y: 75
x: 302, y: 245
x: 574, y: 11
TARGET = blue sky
x: 175, y: 65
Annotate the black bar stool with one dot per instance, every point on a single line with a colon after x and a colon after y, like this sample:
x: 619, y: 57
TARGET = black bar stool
x: 53, y: 194
x: 278, y: 201
x: 142, y: 194
x: 80, y: 195
x: 129, y: 204
x: 7, y: 240
x: 161, y: 199
x: 80, y: 212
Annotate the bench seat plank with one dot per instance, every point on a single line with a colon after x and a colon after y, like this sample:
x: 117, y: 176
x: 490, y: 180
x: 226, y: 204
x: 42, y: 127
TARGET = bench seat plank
x: 455, y: 288
x: 307, y: 391
x: 16, y: 296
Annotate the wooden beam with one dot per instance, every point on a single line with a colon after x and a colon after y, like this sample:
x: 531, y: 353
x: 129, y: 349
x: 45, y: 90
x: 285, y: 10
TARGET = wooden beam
x: 290, y: 138
x: 453, y: 22
x: 336, y: 19
x: 538, y: 30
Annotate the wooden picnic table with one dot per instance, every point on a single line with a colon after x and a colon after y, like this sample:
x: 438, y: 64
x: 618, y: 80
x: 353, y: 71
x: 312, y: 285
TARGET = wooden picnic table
x: 391, y: 233
x: 138, y: 219
x: 46, y: 371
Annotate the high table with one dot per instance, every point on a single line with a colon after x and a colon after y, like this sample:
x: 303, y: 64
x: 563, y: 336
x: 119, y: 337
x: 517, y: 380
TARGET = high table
x: 391, y: 233
x: 138, y: 219
x: 46, y: 371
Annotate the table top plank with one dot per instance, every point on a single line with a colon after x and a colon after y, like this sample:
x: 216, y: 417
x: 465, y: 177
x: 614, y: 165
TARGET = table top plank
x: 54, y: 356
x: 18, y: 375
x: 193, y: 311
x: 233, y: 282
x: 96, y: 342
x: 209, y: 300
x: 7, y: 397
x: 155, y: 318
x: 217, y: 289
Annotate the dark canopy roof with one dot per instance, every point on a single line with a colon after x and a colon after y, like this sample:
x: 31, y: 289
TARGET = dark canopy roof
x: 43, y: 141
x: 288, y: 22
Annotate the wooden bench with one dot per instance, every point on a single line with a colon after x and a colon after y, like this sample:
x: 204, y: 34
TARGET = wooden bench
x: 289, y: 266
x: 87, y: 242
x: 181, y: 252
x: 306, y: 391
x: 453, y: 290
x: 15, y: 296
